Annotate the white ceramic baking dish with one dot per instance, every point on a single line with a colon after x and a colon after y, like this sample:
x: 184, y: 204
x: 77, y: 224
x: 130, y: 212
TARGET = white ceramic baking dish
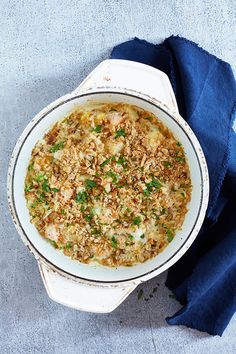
x: 97, y: 288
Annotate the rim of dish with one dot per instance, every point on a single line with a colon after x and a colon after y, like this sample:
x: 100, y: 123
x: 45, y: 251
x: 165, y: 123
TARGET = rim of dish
x: 201, y: 163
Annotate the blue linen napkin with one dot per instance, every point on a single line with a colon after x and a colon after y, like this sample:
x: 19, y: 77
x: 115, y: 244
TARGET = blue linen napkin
x: 204, y: 279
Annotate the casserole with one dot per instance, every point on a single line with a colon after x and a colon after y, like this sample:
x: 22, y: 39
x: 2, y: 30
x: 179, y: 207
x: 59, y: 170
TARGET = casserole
x: 92, y: 287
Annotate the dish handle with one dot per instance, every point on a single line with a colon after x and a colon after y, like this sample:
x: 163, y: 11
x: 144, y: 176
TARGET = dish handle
x: 82, y: 296
x: 125, y: 75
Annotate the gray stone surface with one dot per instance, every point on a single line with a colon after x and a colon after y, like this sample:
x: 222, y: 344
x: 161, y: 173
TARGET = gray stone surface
x: 46, y: 49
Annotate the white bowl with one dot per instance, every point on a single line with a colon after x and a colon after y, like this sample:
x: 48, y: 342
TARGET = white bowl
x: 111, y: 73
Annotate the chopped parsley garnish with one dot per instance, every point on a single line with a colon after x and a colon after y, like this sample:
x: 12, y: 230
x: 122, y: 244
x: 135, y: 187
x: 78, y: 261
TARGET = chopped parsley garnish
x: 27, y: 189
x: 89, y: 183
x: 96, y: 231
x: 142, y: 236
x: 167, y: 164
x: 121, y: 185
x: 121, y: 160
x: 153, y: 184
x: 56, y: 147
x: 146, y: 192
x: 180, y: 159
x: 170, y: 235
x: 45, y: 186
x: 179, y: 144
x: 163, y: 211
x: 113, y: 176
x: 81, y: 197
x: 148, y: 118
x: 136, y: 220
x: 31, y: 167
x: 42, y: 197
x: 40, y: 178
x: 54, y: 244
x: 63, y: 211
x: 88, y: 217
x: 55, y: 190
x: 68, y: 245
x: 104, y: 163
x: 131, y: 237
x: 114, y: 242
x: 97, y: 129
x: 119, y: 133
x: 183, y: 194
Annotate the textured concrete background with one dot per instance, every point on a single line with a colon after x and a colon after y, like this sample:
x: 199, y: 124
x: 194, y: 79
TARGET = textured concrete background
x: 46, y: 49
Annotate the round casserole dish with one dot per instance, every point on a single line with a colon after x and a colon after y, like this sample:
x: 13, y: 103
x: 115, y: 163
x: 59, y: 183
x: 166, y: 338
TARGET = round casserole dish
x: 93, y: 287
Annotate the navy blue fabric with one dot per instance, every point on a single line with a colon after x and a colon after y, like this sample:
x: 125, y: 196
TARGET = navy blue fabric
x: 204, y: 279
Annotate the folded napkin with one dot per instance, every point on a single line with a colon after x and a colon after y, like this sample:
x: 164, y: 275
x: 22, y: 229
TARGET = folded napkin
x: 204, y: 279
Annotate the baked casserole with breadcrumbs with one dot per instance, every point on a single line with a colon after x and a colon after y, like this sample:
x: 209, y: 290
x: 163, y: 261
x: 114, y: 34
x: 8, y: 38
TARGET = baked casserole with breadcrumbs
x: 108, y: 184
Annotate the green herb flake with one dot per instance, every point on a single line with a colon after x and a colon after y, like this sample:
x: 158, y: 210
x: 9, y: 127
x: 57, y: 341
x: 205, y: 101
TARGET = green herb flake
x: 146, y: 192
x: 131, y: 237
x: 163, y: 211
x: 42, y: 197
x: 113, y: 176
x: 31, y: 167
x: 142, y: 236
x: 121, y: 160
x: 167, y: 164
x: 153, y: 184
x: 97, y: 129
x: 113, y: 110
x: 27, y: 189
x: 56, y: 147
x: 33, y: 205
x: 68, y: 245
x: 88, y: 217
x: 63, y: 212
x: 148, y: 118
x: 40, y: 178
x: 180, y: 159
x: 183, y: 194
x: 119, y: 133
x: 114, y: 242
x: 106, y: 162
x: 54, y: 244
x: 96, y: 231
x: 140, y: 294
x: 120, y: 185
x: 81, y: 197
x: 54, y: 190
x: 170, y: 235
x: 136, y: 220
x: 45, y: 186
x: 179, y: 144
x: 89, y: 183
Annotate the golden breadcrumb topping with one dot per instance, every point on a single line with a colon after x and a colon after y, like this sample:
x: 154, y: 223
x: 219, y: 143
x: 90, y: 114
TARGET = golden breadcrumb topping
x: 109, y: 183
